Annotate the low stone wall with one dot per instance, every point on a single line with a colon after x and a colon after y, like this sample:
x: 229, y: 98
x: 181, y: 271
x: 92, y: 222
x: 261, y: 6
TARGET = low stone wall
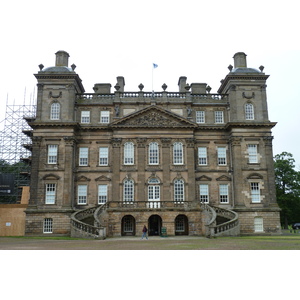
x: 35, y: 221
x: 271, y: 222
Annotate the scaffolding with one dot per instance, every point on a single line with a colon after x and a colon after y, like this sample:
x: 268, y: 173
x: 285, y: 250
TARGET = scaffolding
x: 15, y: 149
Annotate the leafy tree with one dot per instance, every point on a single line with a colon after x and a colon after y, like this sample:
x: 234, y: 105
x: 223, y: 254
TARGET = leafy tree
x: 287, y: 181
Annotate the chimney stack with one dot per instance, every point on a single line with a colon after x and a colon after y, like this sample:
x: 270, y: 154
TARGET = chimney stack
x: 182, y: 84
x: 62, y: 59
x: 240, y: 60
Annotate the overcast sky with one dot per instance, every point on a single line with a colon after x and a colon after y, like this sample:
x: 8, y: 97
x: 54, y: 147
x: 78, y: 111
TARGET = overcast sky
x: 191, y: 38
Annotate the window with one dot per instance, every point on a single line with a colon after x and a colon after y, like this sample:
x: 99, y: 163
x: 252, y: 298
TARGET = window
x: 203, y: 190
x: 85, y: 117
x: 55, y: 111
x: 255, y: 192
x: 219, y: 116
x: 83, y: 156
x: 249, y: 111
x: 200, y: 116
x: 48, y: 225
x: 104, y: 116
x: 222, y: 156
x: 258, y: 224
x: 252, y: 152
x: 223, y: 191
x: 180, y: 223
x: 102, y: 193
x: 153, y: 192
x: 178, y: 154
x: 178, y: 190
x: 103, y: 156
x: 50, y: 193
x: 128, y: 153
x: 128, y: 192
x: 82, y: 194
x: 52, y: 154
x: 202, y: 155
x: 153, y: 154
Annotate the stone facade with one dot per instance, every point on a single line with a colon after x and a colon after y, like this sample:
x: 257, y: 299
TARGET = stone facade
x: 151, y: 157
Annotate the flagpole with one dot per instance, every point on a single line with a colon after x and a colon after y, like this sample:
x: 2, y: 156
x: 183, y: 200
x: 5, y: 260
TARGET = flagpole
x: 153, y: 67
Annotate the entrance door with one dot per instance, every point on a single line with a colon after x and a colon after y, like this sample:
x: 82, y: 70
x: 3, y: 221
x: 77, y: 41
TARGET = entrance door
x: 154, y: 225
x: 154, y: 196
x: 128, y: 225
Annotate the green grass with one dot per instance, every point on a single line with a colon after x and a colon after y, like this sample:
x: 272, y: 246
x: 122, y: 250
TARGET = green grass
x: 283, y: 242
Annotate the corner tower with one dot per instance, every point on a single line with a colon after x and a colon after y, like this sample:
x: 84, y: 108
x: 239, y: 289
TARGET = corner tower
x: 250, y: 144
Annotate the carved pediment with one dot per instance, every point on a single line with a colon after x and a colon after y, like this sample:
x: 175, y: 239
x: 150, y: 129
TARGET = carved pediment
x: 154, y: 116
x: 223, y: 178
x: 82, y: 178
x: 255, y: 176
x: 102, y: 178
x: 51, y: 177
x: 203, y: 178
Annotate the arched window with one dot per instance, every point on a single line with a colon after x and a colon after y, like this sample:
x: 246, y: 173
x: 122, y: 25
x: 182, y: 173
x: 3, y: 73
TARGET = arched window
x: 153, y: 154
x: 128, y: 153
x: 249, y: 111
x: 55, y: 111
x: 128, y: 190
x: 178, y: 190
x: 178, y: 154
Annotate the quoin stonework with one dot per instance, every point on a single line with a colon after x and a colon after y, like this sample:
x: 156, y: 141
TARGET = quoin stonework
x: 187, y: 162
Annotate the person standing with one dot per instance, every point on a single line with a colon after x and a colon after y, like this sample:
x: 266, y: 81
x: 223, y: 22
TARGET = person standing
x: 144, y: 232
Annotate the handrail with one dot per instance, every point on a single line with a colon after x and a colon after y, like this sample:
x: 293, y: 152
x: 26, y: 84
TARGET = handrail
x: 151, y: 204
x: 231, y: 225
x: 141, y: 94
x: 84, y: 229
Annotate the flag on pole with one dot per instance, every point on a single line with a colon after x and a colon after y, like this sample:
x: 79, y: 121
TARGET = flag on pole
x: 155, y: 66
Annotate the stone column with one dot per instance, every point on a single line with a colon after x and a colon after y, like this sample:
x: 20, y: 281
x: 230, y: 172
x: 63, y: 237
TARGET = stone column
x: 141, y: 164
x: 68, y: 178
x: 270, y: 180
x: 35, y: 162
x: 116, y: 160
x: 190, y: 164
x: 237, y: 177
x: 166, y: 164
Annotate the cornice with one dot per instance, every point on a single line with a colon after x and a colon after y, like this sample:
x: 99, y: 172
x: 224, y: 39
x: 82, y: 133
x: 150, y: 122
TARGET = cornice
x: 37, y: 124
x: 241, y: 77
x: 249, y: 125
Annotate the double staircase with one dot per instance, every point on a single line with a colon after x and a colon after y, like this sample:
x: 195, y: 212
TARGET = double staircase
x: 218, y: 222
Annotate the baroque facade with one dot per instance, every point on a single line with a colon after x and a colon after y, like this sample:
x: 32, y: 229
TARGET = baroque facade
x: 182, y: 163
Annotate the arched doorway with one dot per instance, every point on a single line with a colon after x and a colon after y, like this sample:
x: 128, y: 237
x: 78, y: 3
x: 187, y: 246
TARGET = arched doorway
x: 154, y: 225
x: 181, y: 225
x: 128, y: 225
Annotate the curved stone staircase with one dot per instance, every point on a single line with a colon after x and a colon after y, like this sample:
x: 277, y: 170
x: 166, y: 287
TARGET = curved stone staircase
x: 81, y: 223
x: 218, y: 222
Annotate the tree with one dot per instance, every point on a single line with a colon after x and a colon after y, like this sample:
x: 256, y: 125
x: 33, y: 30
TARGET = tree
x: 287, y: 181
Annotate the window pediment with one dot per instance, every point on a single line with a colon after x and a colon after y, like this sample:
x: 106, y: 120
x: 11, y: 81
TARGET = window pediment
x: 102, y: 178
x: 51, y: 177
x: 203, y: 178
x: 223, y: 178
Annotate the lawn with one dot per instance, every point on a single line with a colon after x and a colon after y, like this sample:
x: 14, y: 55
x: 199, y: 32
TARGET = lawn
x: 284, y: 242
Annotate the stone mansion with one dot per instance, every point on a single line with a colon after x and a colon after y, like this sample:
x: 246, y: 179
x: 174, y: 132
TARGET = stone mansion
x: 187, y: 162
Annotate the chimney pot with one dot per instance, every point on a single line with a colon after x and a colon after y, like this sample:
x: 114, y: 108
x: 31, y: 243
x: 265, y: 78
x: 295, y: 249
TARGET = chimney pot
x: 62, y: 59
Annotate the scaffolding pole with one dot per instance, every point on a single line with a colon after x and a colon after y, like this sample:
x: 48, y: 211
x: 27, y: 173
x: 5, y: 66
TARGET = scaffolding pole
x: 15, y: 149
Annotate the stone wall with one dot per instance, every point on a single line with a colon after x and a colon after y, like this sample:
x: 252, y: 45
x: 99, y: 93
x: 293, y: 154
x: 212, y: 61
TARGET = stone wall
x: 271, y: 222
